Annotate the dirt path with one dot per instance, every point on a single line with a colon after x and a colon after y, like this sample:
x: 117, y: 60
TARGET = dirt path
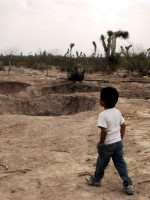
x: 48, y: 157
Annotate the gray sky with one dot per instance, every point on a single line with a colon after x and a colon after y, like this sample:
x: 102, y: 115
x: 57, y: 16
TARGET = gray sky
x: 34, y: 25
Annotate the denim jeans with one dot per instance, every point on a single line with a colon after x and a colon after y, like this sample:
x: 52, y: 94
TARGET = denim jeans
x: 114, y: 151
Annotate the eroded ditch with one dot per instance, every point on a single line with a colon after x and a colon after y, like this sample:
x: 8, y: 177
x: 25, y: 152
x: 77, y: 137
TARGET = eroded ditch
x: 18, y: 98
x: 52, y: 105
x: 48, y: 102
x: 7, y: 87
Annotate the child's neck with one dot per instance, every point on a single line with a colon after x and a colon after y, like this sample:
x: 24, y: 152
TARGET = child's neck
x: 105, y: 108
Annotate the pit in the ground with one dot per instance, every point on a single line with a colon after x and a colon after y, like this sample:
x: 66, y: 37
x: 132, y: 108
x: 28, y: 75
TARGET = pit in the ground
x: 52, y: 105
x: 8, y: 87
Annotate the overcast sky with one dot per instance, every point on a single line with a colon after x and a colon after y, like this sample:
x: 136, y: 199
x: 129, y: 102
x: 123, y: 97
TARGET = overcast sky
x: 34, y: 25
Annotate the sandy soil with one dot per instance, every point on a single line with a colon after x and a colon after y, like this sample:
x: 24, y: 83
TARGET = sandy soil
x: 48, y: 137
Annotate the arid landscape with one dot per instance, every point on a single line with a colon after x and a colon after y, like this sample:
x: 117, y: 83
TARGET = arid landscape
x: 48, y: 135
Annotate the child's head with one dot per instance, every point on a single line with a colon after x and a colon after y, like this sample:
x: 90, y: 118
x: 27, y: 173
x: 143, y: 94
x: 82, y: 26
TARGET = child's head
x: 109, y: 97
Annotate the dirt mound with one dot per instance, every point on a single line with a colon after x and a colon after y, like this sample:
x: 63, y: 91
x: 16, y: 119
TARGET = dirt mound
x: 53, y: 105
x: 8, y: 87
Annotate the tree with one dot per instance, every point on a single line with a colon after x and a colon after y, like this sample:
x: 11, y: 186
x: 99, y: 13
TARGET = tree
x: 104, y: 45
x: 115, y: 35
x: 110, y: 48
x: 10, y: 53
x: 77, y: 54
x: 95, y: 48
x: 107, y: 47
x: 76, y: 73
x: 67, y: 53
x: 109, y: 33
x: 148, y: 52
x: 125, y: 53
x: 71, y: 46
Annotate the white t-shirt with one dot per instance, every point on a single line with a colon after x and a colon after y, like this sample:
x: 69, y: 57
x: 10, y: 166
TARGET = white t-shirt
x: 111, y: 119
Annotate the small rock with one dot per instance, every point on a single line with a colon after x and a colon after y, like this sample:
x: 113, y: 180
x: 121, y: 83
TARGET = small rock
x: 146, y: 98
x: 124, y: 76
x: 138, y: 151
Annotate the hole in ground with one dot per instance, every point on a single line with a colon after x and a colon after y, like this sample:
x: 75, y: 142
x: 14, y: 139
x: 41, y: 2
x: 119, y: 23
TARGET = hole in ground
x: 8, y: 87
x: 53, y: 105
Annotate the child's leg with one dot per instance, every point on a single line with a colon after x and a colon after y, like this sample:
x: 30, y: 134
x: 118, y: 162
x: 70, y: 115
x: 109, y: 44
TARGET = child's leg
x: 101, y: 164
x: 102, y: 161
x: 121, y: 166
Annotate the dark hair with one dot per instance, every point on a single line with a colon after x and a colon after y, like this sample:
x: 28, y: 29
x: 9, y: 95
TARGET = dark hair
x: 110, y: 96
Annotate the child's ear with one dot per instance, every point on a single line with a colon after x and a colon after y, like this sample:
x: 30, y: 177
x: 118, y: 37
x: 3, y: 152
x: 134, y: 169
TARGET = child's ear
x: 102, y: 103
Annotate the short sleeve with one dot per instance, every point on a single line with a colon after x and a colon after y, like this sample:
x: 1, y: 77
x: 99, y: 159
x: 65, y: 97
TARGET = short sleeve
x: 122, y: 120
x: 101, y: 121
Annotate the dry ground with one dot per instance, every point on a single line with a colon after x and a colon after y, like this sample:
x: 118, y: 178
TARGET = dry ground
x: 49, y: 145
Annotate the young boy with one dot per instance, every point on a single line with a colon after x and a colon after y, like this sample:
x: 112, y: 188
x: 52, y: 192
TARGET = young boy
x: 112, y: 126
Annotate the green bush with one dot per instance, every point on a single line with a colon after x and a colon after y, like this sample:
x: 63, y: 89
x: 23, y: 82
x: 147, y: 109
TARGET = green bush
x: 137, y: 62
x: 76, y: 73
x: 114, y: 59
x: 54, y: 87
x: 1, y: 67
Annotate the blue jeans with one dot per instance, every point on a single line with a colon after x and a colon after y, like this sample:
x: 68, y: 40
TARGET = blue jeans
x: 114, y: 151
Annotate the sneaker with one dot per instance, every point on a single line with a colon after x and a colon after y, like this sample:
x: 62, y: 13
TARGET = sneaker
x: 128, y: 189
x: 92, y: 181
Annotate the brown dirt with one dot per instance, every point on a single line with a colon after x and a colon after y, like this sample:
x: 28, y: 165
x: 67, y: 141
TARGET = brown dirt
x: 48, y: 136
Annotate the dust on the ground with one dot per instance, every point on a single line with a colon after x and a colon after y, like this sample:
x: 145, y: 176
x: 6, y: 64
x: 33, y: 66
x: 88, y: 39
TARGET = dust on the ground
x: 48, y: 136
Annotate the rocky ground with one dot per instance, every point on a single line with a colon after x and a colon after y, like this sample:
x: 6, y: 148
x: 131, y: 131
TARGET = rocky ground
x: 48, y: 135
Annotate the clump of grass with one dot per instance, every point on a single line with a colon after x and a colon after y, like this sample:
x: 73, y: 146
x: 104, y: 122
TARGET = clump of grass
x: 76, y: 73
x: 54, y: 87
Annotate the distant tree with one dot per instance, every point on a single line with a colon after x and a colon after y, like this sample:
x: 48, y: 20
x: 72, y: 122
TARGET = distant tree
x: 77, y: 54
x: 104, y: 45
x: 71, y: 46
x: 109, y: 33
x: 67, y: 53
x: 127, y: 49
x: 10, y: 53
x: 110, y: 47
x: 95, y: 48
x: 115, y: 35
x: 84, y: 55
x: 148, y: 52
x: 125, y: 53
x: 107, y: 48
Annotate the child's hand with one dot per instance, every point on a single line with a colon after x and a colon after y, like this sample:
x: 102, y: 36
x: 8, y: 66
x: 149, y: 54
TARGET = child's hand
x: 99, y: 143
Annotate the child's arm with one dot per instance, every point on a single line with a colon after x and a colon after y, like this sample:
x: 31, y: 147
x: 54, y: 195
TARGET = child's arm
x: 103, y: 135
x: 122, y: 130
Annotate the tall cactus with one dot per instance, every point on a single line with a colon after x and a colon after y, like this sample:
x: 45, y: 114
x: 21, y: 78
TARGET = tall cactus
x: 110, y: 48
x: 110, y: 33
x: 115, y: 35
x: 104, y: 45
x: 95, y: 47
x: 71, y: 46
x: 125, y: 53
x: 107, y: 48
x: 148, y: 52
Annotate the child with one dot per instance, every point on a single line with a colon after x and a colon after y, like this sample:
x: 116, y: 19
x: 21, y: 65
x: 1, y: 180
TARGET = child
x: 112, y: 126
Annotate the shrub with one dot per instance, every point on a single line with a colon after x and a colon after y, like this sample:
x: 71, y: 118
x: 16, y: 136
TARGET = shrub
x: 1, y: 67
x: 114, y: 61
x: 54, y: 87
x: 76, y: 73
x: 138, y: 62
